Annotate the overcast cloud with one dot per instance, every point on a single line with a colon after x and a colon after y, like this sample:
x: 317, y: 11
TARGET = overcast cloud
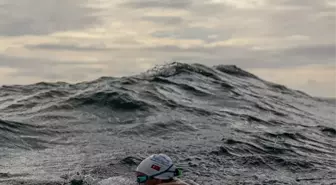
x: 291, y: 42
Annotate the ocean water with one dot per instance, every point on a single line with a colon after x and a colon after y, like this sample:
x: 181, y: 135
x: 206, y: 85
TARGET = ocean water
x: 220, y: 124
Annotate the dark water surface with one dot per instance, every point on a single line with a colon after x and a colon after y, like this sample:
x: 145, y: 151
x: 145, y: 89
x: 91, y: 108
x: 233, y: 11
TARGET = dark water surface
x: 221, y: 124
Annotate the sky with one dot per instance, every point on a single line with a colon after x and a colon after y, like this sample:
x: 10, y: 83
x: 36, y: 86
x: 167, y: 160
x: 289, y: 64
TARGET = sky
x: 290, y: 42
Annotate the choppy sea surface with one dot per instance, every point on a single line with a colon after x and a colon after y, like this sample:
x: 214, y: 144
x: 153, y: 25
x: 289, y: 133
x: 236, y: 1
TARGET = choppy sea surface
x: 220, y: 124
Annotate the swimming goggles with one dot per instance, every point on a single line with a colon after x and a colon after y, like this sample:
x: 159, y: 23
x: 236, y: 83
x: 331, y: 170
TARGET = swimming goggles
x: 145, y: 178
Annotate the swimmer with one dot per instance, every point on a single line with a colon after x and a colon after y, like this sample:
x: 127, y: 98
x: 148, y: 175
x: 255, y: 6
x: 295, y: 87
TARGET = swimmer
x: 158, y: 169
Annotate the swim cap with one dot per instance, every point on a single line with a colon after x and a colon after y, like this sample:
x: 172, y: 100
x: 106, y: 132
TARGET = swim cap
x: 157, y: 164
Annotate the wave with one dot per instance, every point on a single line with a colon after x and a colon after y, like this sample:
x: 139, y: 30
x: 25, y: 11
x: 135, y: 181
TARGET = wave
x: 205, y: 117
